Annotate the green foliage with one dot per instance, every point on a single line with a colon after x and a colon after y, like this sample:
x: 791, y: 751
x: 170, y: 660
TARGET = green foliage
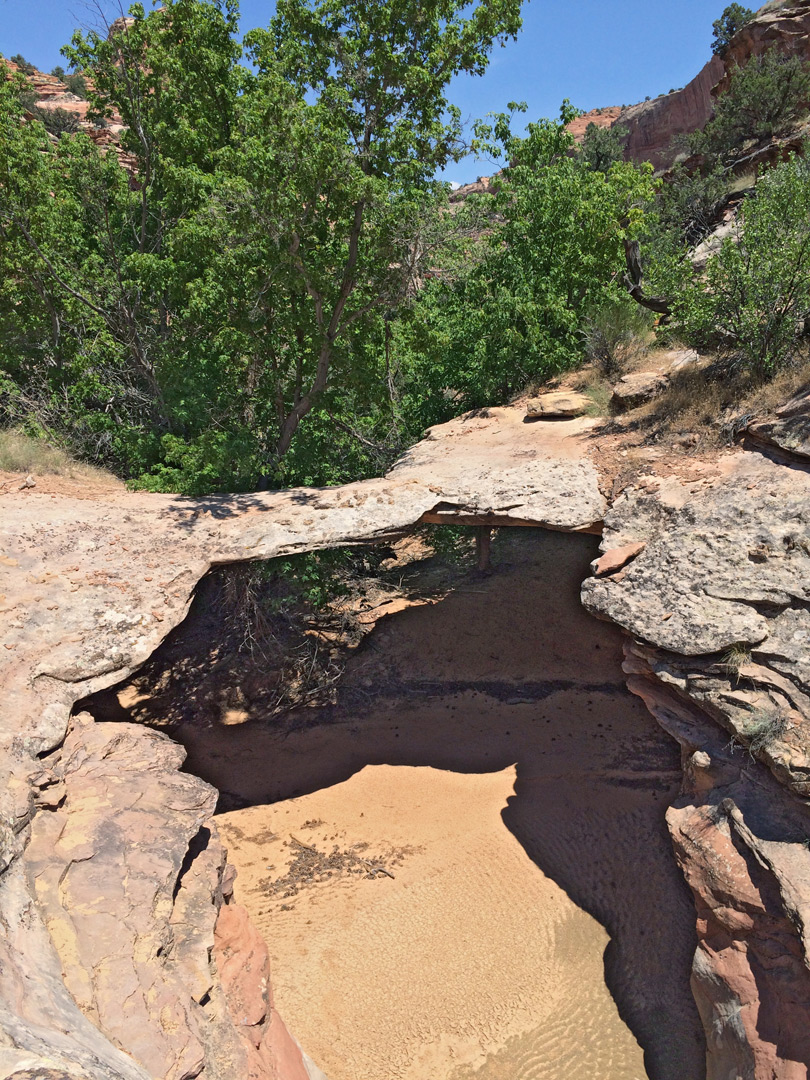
x: 734, y: 18
x: 688, y: 203
x: 25, y: 67
x: 615, y: 332
x: 763, y: 99
x: 554, y: 249
x: 184, y: 328
x: 58, y: 72
x: 602, y: 147
x: 58, y: 121
x: 754, y: 296
x: 76, y: 84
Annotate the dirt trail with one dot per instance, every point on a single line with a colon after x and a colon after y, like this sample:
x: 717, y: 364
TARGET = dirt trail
x: 536, y: 925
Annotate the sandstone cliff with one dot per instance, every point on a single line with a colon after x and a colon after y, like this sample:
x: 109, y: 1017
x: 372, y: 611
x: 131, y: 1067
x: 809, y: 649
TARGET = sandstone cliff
x: 52, y: 94
x: 654, y: 125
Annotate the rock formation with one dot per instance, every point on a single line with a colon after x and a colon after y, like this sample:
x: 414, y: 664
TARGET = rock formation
x: 52, y: 94
x: 123, y: 954
x: 653, y: 126
x: 716, y: 606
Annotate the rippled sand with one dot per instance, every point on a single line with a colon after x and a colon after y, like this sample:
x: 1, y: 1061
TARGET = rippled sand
x: 540, y: 928
x: 470, y: 963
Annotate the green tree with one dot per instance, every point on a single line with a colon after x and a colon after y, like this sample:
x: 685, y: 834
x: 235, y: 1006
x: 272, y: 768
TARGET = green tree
x: 754, y: 296
x: 553, y: 252
x: 76, y: 84
x: 58, y: 121
x: 24, y: 65
x: 373, y: 122
x: 603, y: 146
x: 249, y: 279
x: 734, y: 18
x: 763, y: 99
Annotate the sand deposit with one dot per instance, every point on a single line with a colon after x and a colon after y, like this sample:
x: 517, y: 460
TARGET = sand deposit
x: 487, y: 753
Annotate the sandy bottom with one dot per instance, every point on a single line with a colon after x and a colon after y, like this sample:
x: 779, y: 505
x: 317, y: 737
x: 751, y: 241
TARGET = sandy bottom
x: 488, y: 753
x: 468, y: 961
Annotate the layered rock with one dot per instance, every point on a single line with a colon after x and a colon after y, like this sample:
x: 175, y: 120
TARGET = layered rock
x: 115, y: 897
x: 787, y: 433
x: 716, y: 606
x: 52, y: 94
x: 125, y: 955
x: 653, y: 126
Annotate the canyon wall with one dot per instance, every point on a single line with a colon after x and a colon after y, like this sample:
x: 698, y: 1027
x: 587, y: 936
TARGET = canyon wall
x: 653, y: 126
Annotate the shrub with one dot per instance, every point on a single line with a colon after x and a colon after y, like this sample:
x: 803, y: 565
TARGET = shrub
x: 23, y: 453
x: 601, y: 146
x: 688, y: 204
x: 755, y: 295
x: 615, y: 333
x: 25, y: 67
x: 58, y: 122
x: 734, y: 18
x: 58, y: 72
x: 77, y: 84
x: 763, y: 98
x: 763, y: 729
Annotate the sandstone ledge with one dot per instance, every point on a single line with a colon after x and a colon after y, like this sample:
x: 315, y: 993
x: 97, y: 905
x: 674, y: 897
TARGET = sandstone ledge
x: 108, y: 903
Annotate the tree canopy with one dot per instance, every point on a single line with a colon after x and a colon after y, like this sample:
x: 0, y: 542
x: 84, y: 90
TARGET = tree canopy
x: 734, y: 18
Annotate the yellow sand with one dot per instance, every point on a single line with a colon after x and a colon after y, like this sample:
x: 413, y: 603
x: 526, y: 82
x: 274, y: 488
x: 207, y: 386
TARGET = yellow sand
x: 471, y: 962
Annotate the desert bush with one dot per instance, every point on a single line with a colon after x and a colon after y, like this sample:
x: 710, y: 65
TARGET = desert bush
x: 763, y: 98
x: 688, y: 203
x: 754, y: 297
x: 24, y: 453
x: 735, y: 659
x: 616, y: 332
x: 24, y: 65
x: 76, y: 84
x: 601, y: 147
x: 763, y: 729
x: 734, y: 18
x: 58, y: 122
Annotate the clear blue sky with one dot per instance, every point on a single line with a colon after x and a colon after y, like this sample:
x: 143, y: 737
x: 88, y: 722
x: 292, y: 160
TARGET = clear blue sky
x: 593, y: 52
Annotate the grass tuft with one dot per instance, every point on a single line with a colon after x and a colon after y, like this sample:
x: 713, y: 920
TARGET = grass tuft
x: 20, y: 453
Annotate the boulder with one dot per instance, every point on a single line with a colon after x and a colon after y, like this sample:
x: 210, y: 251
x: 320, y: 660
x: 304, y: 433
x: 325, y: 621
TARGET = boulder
x: 617, y: 558
x: 638, y: 388
x: 679, y: 359
x: 788, y: 431
x: 559, y: 405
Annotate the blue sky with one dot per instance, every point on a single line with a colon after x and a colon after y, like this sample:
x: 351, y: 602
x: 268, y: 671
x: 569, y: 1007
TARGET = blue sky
x: 594, y: 53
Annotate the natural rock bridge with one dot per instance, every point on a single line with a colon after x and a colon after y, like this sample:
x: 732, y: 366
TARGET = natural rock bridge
x: 133, y: 961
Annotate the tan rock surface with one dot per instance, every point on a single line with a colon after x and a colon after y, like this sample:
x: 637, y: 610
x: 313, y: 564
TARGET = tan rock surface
x: 739, y: 838
x: 561, y: 404
x: 638, y: 388
x: 713, y: 557
x: 617, y: 558
x: 788, y: 431
x: 89, y: 586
